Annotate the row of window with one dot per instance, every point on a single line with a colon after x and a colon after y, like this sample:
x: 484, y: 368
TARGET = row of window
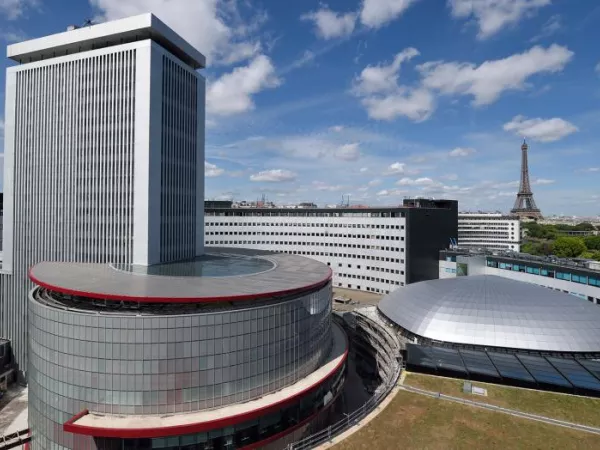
x: 303, y: 225
x: 378, y: 269
x: 326, y: 244
x: 305, y: 253
x: 363, y: 277
x: 328, y: 235
x: 240, y: 212
x: 559, y: 275
x: 367, y: 288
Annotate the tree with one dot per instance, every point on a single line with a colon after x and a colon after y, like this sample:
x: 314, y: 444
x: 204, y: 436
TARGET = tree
x: 584, y: 226
x: 592, y: 242
x: 568, y: 247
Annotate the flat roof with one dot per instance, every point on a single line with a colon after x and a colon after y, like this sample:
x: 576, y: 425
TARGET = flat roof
x: 150, y: 426
x: 289, y: 274
x: 116, y: 32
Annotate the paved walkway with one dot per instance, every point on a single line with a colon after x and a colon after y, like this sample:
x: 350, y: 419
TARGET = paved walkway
x: 512, y: 412
x: 13, y: 413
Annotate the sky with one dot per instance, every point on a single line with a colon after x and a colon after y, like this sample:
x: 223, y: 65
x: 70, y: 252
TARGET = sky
x: 378, y: 100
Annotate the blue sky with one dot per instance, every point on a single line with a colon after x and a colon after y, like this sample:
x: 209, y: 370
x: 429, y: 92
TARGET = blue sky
x: 382, y: 99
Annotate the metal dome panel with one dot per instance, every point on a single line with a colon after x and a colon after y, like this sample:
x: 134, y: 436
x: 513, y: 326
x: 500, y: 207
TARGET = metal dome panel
x: 492, y: 311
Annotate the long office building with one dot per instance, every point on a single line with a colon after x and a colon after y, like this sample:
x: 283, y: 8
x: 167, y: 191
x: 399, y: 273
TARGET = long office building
x: 492, y: 231
x: 103, y: 154
x: 578, y: 278
x: 368, y: 249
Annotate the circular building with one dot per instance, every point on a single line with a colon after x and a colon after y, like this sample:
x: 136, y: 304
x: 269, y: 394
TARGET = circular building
x: 486, y: 312
x: 235, y: 349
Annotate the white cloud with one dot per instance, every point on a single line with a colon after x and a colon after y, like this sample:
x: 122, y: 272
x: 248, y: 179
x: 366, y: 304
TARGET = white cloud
x: 542, y: 181
x: 330, y: 24
x: 348, y: 152
x: 597, y: 68
x: 415, y: 182
x: 382, y: 96
x: 221, y: 32
x: 215, y: 27
x: 364, y: 169
x: 375, y: 182
x: 552, y: 26
x: 395, y: 168
x: 274, y: 175
x: 336, y: 128
x: 542, y: 130
x: 322, y: 186
x: 382, y: 79
x: 13, y: 9
x: 416, y: 105
x: 391, y: 192
x: 376, y: 13
x: 232, y: 92
x: 493, y: 15
x: 488, y: 80
x: 591, y: 169
x: 461, y: 151
x: 211, y: 170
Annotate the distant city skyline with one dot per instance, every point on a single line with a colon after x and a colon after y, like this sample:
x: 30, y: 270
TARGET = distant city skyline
x: 309, y: 102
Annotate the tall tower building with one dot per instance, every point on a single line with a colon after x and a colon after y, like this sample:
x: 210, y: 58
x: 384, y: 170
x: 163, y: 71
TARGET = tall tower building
x: 103, y: 154
x: 525, y: 207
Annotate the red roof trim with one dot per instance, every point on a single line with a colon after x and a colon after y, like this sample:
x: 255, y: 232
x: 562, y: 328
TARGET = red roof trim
x: 146, y: 299
x: 71, y: 426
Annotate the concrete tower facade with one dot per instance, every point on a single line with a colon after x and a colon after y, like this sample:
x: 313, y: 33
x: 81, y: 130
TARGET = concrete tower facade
x: 104, y: 154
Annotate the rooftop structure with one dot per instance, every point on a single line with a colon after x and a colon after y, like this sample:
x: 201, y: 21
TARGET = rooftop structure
x: 487, y: 312
x: 108, y: 34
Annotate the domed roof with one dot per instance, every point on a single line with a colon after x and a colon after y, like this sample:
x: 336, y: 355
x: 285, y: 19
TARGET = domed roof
x: 492, y: 311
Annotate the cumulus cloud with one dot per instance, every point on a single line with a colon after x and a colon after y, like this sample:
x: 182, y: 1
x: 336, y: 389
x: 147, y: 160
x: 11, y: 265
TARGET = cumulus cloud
x: 322, y: 186
x: 330, y: 24
x: 232, y: 92
x: 336, y: 128
x: 13, y: 9
x: 395, y: 168
x: 461, y: 151
x: 211, y: 170
x: 385, y: 99
x: 376, y: 13
x: 424, y: 181
x: 348, y: 152
x: 542, y: 181
x: 541, y: 130
x: 274, y: 176
x: 490, y: 79
x: 391, y: 192
x: 372, y: 14
x: 494, y: 15
x: 221, y: 32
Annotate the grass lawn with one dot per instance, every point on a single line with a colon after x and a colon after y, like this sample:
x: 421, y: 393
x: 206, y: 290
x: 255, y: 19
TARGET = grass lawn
x: 583, y: 410
x: 413, y: 421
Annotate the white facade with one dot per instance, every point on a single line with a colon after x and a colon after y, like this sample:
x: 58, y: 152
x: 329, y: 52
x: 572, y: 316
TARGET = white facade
x: 365, y: 252
x: 100, y: 139
x: 489, y: 230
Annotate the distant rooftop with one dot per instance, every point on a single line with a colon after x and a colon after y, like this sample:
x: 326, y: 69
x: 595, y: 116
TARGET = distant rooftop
x: 117, y: 32
x: 565, y: 262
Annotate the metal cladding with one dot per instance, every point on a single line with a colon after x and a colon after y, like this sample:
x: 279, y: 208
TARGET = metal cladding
x: 492, y: 311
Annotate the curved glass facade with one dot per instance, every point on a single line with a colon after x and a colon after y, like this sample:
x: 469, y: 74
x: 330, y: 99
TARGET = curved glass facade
x: 124, y: 363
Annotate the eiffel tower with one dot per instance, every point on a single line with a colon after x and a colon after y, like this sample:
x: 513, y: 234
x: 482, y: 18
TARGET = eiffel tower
x: 525, y: 207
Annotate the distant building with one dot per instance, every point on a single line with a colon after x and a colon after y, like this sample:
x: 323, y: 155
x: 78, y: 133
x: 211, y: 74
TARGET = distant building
x: 579, y: 278
x: 489, y: 230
